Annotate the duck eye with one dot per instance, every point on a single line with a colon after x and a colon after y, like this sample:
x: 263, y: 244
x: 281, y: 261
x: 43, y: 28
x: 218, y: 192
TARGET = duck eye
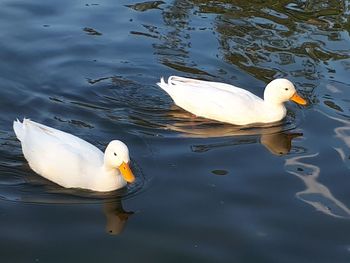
x: 115, y: 154
x: 286, y: 88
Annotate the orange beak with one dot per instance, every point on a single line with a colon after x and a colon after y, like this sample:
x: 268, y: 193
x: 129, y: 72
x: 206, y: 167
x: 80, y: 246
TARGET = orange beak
x: 127, y: 174
x: 296, y: 98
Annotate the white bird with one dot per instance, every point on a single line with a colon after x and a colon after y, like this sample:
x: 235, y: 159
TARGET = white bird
x: 72, y: 162
x: 227, y: 103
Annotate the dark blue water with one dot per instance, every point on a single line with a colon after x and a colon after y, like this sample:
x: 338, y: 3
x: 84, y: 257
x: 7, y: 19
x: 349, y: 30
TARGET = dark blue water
x: 205, y: 192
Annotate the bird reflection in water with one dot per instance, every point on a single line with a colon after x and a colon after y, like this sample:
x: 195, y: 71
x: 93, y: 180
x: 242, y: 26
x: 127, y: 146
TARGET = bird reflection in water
x: 279, y: 143
x: 50, y: 193
x: 272, y: 136
x: 116, y: 217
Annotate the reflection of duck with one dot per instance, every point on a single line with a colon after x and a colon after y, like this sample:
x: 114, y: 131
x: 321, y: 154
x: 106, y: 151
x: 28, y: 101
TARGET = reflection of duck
x: 116, y: 217
x: 49, y: 193
x: 316, y: 194
x: 230, y: 104
x: 276, y: 140
x: 278, y: 144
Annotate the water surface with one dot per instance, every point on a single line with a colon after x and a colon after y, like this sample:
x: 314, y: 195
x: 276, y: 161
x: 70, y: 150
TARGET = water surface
x: 206, y: 191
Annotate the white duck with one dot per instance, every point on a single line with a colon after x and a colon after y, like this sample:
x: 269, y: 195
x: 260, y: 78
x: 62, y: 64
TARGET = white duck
x: 227, y: 103
x: 72, y: 162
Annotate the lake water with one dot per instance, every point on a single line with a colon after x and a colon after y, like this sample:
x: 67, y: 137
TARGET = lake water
x: 205, y: 192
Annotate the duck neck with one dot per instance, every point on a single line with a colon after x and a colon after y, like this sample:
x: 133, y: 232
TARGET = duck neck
x: 274, y: 111
x: 110, y: 178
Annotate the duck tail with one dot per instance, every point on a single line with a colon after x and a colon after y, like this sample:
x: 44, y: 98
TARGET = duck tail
x: 163, y: 84
x: 18, y: 127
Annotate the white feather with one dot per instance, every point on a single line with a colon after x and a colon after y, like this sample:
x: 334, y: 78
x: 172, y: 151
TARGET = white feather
x: 66, y: 159
x: 228, y: 103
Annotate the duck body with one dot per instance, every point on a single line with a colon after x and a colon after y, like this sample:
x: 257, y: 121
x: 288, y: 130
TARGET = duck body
x: 228, y: 103
x: 68, y: 160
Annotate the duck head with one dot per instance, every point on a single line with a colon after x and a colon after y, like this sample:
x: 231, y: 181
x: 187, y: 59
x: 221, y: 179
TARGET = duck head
x: 117, y: 156
x: 282, y: 90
